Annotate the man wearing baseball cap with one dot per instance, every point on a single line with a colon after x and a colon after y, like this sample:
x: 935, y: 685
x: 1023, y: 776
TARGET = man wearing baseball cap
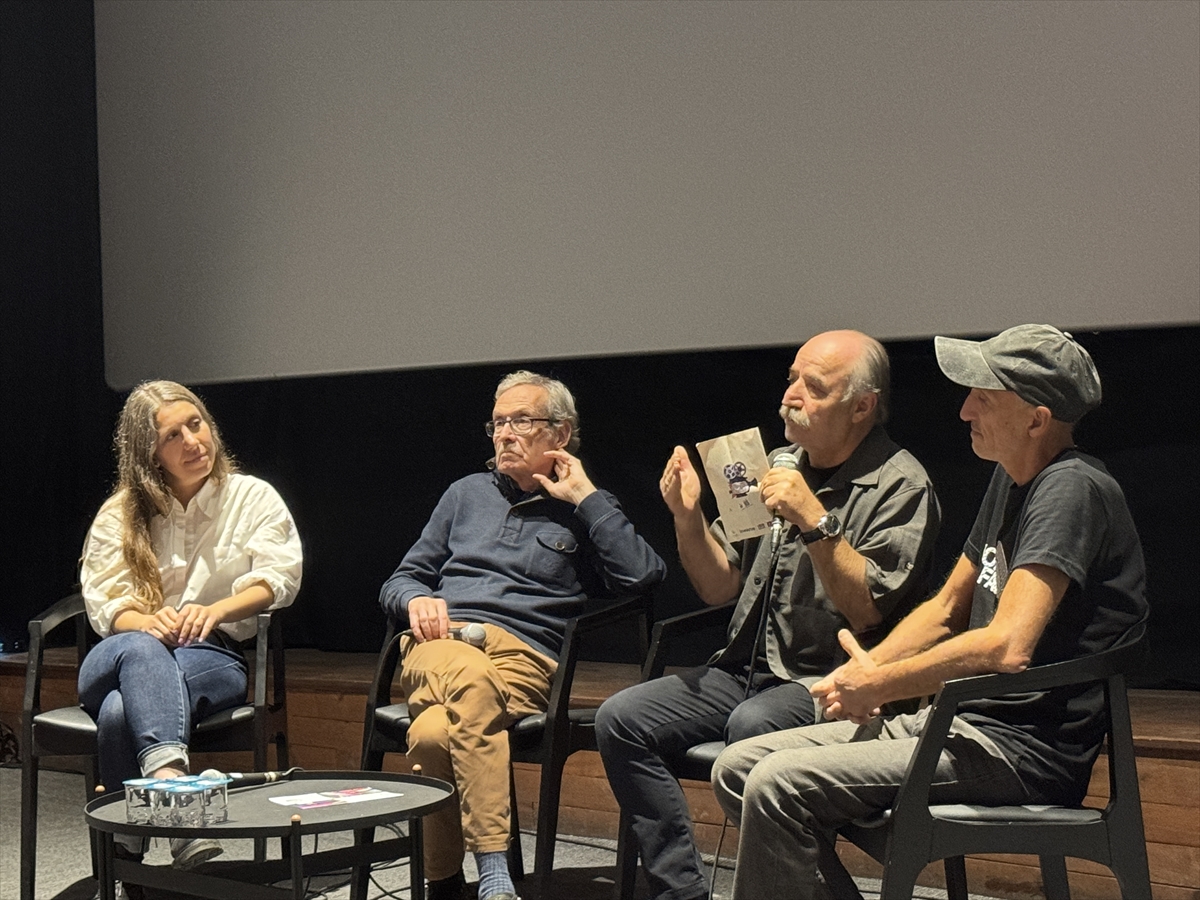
x: 1052, y: 571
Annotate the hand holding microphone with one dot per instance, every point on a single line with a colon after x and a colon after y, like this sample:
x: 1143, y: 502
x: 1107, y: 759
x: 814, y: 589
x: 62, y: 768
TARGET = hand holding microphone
x: 472, y: 633
x: 791, y: 462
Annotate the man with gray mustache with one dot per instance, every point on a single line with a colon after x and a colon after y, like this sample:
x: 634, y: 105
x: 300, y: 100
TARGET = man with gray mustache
x: 861, y: 519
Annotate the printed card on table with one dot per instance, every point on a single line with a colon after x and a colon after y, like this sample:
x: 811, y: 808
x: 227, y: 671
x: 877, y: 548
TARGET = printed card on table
x: 735, y: 464
x: 333, y: 798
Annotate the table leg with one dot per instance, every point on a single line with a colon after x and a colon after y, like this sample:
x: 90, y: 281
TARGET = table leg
x: 416, y: 862
x: 297, y: 860
x: 102, y: 843
x: 360, y: 873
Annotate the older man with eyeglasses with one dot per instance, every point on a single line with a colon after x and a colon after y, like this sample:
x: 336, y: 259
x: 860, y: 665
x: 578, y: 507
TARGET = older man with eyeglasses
x: 519, y: 550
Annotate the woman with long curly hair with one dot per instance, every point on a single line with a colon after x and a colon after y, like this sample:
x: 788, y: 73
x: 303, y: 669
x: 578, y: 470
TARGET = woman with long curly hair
x: 177, y: 562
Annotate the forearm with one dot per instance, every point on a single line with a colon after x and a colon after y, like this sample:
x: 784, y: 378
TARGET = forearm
x: 976, y: 652
x: 940, y: 617
x: 398, y: 590
x: 627, y: 562
x: 843, y: 572
x: 129, y: 619
x: 899, y: 669
x: 714, y: 578
x: 921, y: 629
x: 251, y: 601
x: 419, y: 572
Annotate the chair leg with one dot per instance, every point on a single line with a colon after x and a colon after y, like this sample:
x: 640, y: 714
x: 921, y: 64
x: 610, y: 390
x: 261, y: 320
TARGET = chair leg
x: 360, y: 874
x: 627, y: 859
x: 516, y: 859
x: 29, y: 794
x: 956, y: 877
x: 899, y: 875
x: 1128, y: 861
x: 837, y: 879
x: 372, y: 760
x: 91, y: 786
x: 549, y: 794
x: 1054, y: 879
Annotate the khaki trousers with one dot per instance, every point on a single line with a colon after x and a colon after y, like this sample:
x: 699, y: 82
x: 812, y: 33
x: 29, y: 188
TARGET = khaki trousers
x: 462, y: 699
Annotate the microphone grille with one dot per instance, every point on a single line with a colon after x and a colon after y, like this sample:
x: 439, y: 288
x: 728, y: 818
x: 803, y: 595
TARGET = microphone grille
x: 474, y: 634
x: 786, y: 460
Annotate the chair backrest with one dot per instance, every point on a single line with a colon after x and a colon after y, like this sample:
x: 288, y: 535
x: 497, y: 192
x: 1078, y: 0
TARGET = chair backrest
x: 68, y: 608
x: 669, y: 633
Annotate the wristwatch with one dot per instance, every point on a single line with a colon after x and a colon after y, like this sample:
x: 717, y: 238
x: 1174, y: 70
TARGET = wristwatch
x: 828, y: 526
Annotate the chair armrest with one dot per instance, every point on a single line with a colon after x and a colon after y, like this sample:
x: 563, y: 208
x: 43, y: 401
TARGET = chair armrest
x: 640, y: 606
x: 380, y: 692
x: 913, y: 796
x: 637, y: 608
x: 269, y: 661
x: 40, y: 627
x: 49, y: 619
x: 668, y: 632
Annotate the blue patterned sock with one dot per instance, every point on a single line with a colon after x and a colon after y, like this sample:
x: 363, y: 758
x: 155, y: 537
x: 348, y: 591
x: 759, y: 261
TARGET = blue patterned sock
x: 493, y: 874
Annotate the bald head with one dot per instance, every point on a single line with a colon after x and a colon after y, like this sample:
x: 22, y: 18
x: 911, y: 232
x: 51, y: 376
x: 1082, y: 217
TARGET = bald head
x: 838, y: 392
x: 867, y: 368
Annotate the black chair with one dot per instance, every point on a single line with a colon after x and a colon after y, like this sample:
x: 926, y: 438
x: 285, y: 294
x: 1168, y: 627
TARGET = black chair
x: 545, y: 738
x: 68, y: 734
x: 696, y: 762
x: 913, y: 834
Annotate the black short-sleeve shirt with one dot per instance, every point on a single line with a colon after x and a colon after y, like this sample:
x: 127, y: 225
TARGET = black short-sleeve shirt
x: 1072, y: 517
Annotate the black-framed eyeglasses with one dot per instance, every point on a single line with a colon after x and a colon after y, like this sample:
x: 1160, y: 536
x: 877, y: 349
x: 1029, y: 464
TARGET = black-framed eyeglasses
x: 519, y: 424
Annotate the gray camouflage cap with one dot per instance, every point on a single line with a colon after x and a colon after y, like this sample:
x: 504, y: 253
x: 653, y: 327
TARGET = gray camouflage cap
x: 1038, y: 363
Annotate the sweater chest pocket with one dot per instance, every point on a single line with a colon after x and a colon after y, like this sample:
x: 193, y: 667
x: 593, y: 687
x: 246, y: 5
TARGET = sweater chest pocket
x: 552, y: 561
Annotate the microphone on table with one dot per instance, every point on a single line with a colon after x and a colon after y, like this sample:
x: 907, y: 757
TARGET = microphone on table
x: 250, y: 779
x: 472, y: 633
x: 783, y: 460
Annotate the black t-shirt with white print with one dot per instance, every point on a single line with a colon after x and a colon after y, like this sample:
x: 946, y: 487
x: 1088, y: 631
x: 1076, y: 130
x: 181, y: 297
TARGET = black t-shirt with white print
x: 1071, y: 517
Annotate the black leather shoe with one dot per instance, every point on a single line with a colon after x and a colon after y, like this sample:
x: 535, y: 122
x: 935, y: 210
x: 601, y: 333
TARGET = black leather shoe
x: 451, y: 888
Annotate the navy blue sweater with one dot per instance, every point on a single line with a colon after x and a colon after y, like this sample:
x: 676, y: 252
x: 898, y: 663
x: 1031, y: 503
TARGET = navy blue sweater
x: 524, y: 562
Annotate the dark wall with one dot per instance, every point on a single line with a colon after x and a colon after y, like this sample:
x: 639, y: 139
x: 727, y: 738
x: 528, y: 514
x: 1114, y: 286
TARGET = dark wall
x: 56, y: 412
x: 362, y: 459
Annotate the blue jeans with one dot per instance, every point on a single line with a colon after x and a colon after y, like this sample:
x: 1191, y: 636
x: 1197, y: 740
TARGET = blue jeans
x: 144, y: 697
x: 641, y: 727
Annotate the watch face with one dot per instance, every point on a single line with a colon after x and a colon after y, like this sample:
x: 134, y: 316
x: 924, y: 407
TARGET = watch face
x: 830, y: 525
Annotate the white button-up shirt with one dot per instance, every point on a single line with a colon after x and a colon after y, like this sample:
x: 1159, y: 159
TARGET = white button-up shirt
x: 233, y: 534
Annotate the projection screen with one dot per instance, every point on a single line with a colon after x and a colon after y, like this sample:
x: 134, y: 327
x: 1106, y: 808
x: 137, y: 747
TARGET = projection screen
x: 294, y: 188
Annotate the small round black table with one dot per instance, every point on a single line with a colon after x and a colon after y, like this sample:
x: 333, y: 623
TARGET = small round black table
x: 253, y: 815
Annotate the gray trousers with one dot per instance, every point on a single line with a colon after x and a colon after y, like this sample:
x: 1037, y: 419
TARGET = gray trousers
x: 784, y: 789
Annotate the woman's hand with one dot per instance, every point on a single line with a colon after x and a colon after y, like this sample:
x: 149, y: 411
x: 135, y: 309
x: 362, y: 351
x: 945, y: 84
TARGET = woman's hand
x: 195, y: 622
x: 163, y: 624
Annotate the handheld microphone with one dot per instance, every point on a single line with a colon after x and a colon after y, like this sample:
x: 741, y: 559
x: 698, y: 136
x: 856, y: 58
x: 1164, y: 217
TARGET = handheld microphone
x: 472, y: 633
x: 783, y: 460
x: 249, y: 779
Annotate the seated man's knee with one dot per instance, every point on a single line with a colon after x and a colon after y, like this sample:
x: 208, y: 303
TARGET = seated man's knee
x: 612, y: 715
x: 745, y: 722
x: 619, y: 718
x: 429, y: 732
